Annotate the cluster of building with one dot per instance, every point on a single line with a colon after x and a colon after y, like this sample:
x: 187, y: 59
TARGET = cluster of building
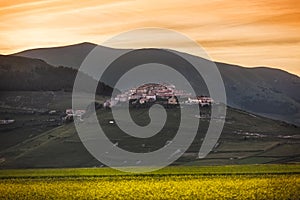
x: 202, y: 100
x: 73, y: 114
x: 153, y: 92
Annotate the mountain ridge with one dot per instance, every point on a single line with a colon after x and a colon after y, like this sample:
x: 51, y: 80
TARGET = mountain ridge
x: 261, y: 90
x: 28, y: 53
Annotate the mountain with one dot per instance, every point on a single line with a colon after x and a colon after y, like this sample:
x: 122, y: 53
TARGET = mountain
x: 68, y: 56
x: 27, y: 74
x: 266, y: 91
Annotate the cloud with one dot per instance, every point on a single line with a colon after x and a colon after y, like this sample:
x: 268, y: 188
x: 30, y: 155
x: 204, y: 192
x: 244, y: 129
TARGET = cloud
x: 245, y: 29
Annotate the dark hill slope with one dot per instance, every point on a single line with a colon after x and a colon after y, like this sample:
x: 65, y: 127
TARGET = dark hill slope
x: 26, y: 74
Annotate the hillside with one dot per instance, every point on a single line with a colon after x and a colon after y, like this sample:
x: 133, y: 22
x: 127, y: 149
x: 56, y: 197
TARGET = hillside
x: 261, y: 90
x: 264, y: 91
x: 39, y: 140
x: 69, y: 56
x: 26, y: 74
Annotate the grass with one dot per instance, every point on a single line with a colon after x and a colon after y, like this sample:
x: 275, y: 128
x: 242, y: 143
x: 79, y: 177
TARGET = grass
x: 225, y: 182
x: 33, y: 138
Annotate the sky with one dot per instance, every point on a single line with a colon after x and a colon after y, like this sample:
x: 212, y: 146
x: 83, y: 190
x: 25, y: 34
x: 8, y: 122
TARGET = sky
x: 248, y: 33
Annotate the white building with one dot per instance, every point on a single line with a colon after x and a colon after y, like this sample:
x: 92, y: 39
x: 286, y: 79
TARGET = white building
x: 153, y: 96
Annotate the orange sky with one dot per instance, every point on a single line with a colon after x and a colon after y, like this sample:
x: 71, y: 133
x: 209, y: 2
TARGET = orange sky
x: 249, y: 33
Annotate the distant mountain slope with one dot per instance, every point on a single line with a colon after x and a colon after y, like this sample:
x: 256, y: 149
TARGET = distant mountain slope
x: 20, y: 73
x: 68, y: 56
x: 266, y: 91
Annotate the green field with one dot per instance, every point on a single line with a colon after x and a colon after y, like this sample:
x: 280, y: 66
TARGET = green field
x: 40, y: 140
x: 218, y: 182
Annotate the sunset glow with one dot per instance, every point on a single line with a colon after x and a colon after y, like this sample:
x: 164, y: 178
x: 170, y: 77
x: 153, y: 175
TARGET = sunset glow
x: 248, y: 33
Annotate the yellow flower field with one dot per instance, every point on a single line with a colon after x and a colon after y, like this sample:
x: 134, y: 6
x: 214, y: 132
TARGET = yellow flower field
x: 154, y: 186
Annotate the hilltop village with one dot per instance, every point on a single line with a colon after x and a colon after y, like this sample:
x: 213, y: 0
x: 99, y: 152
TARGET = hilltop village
x: 145, y: 96
x: 139, y: 97
x: 150, y: 93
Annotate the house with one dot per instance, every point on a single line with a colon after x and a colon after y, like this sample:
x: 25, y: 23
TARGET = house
x: 182, y: 94
x: 110, y: 103
x: 106, y: 104
x: 204, y: 100
x: 68, y: 118
x: 113, y: 103
x: 70, y: 114
x: 52, y: 112
x: 164, y: 95
x: 79, y: 113
x: 6, y: 121
x: 134, y: 96
x: 121, y: 97
x: 117, y: 98
x: 141, y: 90
x: 172, y: 100
x: 132, y: 91
x: 143, y: 100
x: 151, y: 96
x: 69, y: 111
x: 192, y: 100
